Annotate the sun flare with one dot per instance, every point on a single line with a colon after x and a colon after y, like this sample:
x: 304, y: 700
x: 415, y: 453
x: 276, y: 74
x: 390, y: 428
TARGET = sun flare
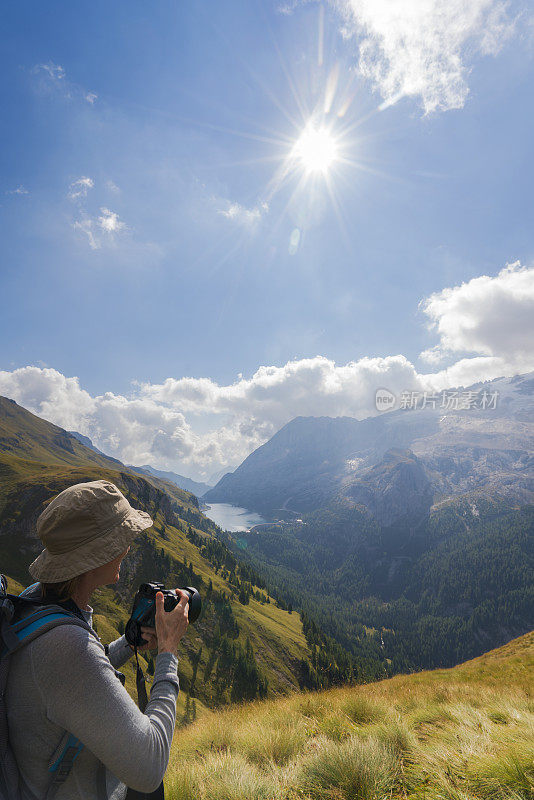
x: 316, y: 149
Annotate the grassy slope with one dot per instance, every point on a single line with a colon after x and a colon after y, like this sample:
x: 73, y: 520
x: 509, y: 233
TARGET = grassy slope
x: 37, y: 460
x: 464, y: 733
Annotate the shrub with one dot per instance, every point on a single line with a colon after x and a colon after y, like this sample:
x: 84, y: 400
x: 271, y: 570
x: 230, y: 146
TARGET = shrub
x: 353, y: 770
x: 398, y: 737
x: 181, y: 782
x: 229, y: 776
x: 279, y: 739
x: 336, y: 726
x: 504, y: 774
x: 361, y: 711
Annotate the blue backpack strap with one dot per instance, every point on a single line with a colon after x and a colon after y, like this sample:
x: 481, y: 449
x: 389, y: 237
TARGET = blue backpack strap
x: 7, y: 609
x: 29, y: 589
x: 61, y: 767
x: 17, y: 634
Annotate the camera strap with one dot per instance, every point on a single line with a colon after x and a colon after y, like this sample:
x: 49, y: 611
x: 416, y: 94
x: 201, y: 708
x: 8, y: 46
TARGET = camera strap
x: 142, y: 700
x: 140, y: 681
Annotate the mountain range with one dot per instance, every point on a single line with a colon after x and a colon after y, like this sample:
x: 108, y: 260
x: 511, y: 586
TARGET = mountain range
x: 416, y: 525
x: 197, y: 488
x: 399, y: 464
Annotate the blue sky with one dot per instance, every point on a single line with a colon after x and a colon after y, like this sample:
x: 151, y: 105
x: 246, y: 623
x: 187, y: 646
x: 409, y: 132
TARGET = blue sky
x: 147, y: 273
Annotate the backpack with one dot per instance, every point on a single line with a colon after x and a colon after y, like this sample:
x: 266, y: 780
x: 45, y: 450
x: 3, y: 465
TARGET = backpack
x: 22, y: 619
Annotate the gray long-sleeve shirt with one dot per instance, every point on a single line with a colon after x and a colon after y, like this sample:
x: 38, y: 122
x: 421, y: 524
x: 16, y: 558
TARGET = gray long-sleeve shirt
x: 63, y: 681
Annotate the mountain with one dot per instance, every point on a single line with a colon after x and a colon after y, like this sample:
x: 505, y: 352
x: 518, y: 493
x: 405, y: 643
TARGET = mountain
x: 416, y: 526
x: 262, y: 646
x: 216, y: 476
x: 390, y: 462
x: 458, y: 734
x: 86, y: 441
x: 196, y: 487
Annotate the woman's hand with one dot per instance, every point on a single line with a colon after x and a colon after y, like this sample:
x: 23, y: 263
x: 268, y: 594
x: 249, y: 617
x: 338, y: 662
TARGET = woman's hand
x: 171, y: 625
x: 151, y: 637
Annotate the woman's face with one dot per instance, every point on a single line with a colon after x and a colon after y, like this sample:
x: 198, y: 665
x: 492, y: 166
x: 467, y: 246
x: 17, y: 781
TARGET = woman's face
x: 111, y: 570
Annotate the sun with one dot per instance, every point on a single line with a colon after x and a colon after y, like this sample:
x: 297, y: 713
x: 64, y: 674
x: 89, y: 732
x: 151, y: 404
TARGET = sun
x: 316, y: 149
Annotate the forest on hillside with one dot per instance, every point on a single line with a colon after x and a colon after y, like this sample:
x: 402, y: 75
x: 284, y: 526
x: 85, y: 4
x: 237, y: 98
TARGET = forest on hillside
x: 377, y: 602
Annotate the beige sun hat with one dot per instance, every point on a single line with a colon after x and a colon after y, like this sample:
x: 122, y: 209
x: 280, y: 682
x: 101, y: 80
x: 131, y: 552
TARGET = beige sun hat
x: 85, y: 526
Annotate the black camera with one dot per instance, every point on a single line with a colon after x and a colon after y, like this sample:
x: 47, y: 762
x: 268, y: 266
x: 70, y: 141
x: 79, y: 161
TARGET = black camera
x: 144, y: 609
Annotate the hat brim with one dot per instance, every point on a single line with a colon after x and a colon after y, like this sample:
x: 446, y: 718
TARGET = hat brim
x: 50, y: 568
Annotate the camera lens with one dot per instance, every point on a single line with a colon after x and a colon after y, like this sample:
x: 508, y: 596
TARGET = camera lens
x: 195, y: 603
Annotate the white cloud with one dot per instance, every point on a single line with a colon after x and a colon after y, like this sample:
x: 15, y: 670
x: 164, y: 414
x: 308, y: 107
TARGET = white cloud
x: 49, y: 393
x: 273, y: 395
x: 242, y: 214
x: 79, y: 188
x: 422, y: 48
x: 86, y: 227
x: 54, y: 71
x: 287, y: 8
x: 490, y: 317
x: 19, y: 190
x: 99, y: 229
x: 434, y: 355
x: 53, y: 78
x: 109, y: 221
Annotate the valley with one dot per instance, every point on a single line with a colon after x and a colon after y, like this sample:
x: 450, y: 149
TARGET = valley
x: 413, y: 530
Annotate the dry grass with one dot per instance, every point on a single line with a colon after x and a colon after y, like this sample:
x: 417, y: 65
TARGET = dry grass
x: 460, y: 734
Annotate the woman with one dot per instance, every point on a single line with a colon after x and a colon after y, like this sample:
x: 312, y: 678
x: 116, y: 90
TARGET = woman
x: 65, y: 680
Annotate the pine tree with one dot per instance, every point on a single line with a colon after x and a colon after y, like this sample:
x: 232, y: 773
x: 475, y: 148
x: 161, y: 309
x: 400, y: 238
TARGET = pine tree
x: 196, y: 662
x: 187, y: 711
